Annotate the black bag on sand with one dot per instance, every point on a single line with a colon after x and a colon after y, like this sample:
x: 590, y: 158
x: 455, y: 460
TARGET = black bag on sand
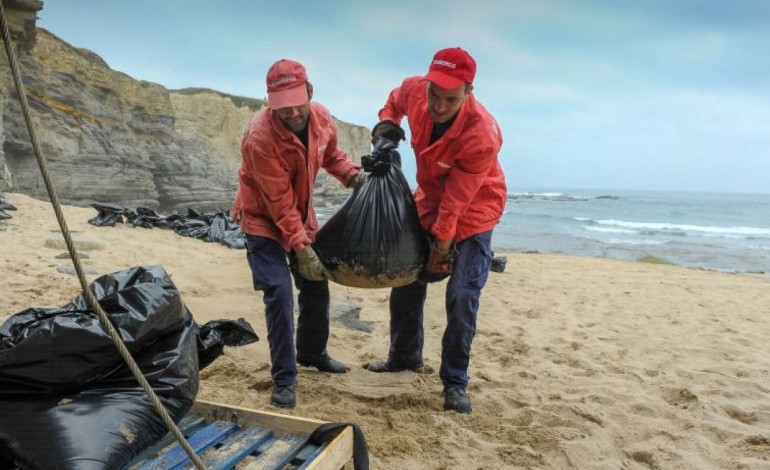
x: 375, y: 239
x: 109, y: 214
x: 67, y: 399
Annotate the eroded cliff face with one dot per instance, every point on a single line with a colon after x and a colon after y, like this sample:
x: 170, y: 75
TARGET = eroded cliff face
x: 110, y: 138
x: 20, y: 18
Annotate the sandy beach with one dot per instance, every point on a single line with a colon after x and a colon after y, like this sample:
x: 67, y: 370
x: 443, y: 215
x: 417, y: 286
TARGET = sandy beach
x: 578, y: 363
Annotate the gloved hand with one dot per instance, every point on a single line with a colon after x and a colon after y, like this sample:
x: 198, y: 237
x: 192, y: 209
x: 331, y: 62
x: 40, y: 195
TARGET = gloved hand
x: 388, y: 129
x: 357, y: 180
x: 383, y: 149
x: 309, y: 265
x: 440, y: 261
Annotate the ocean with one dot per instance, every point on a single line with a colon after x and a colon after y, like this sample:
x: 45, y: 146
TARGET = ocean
x: 719, y: 231
x: 706, y: 230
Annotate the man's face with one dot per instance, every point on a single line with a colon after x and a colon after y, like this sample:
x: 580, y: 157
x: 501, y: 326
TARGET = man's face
x: 444, y: 103
x: 294, y: 117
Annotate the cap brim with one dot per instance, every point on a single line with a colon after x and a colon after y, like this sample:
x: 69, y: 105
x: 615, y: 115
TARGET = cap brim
x: 296, y: 96
x: 443, y: 80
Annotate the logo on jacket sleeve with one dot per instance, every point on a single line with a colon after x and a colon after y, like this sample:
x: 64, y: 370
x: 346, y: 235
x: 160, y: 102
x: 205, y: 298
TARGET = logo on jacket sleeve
x: 444, y: 165
x: 321, y: 148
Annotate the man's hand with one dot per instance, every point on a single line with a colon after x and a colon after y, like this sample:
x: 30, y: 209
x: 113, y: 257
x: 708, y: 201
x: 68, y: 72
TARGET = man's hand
x: 440, y: 259
x: 357, y: 179
x: 389, y: 130
x: 309, y: 265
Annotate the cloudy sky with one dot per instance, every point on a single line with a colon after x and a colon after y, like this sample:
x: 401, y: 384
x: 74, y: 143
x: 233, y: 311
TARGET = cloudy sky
x: 603, y: 94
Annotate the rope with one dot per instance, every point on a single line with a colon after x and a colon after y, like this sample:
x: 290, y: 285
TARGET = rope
x: 105, y: 321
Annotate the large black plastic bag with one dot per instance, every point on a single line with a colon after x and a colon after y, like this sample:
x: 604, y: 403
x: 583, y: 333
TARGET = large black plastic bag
x: 68, y: 401
x: 5, y: 206
x: 110, y: 214
x: 223, y: 231
x: 375, y: 239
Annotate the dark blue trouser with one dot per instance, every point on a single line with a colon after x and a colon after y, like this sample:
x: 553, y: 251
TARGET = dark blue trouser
x: 463, y: 290
x: 270, y: 273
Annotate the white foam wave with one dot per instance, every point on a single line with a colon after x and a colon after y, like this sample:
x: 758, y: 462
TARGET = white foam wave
x: 633, y: 242
x: 740, y: 231
x: 594, y: 228
x: 554, y: 196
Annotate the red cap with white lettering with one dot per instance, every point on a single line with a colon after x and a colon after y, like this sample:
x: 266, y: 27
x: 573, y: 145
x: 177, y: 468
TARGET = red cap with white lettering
x: 286, y: 81
x: 451, y: 68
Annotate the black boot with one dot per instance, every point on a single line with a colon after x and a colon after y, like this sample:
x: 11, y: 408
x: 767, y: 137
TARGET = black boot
x: 283, y: 397
x: 388, y: 366
x: 456, y: 399
x: 324, y: 364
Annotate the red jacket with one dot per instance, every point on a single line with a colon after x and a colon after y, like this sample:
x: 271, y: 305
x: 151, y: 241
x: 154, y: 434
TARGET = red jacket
x: 277, y: 176
x: 460, y: 186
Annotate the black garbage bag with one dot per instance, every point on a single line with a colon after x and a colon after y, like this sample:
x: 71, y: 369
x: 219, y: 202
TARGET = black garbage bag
x: 375, y: 239
x: 193, y: 228
x: 234, y: 238
x: 498, y: 264
x: 109, y: 214
x: 67, y: 399
x: 147, y: 218
x: 225, y: 231
x: 216, y: 334
x: 6, y: 206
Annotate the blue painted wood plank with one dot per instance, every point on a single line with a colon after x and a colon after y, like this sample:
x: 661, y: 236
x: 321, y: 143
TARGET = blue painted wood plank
x: 279, y: 453
x: 305, y: 453
x: 188, y: 425
x: 306, y: 458
x: 176, y: 457
x: 236, y: 448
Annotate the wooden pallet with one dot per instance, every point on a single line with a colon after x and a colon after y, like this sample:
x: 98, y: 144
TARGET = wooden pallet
x: 229, y: 437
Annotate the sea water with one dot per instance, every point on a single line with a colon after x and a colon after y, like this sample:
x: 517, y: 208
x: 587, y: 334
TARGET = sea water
x: 707, y: 230
x: 718, y: 231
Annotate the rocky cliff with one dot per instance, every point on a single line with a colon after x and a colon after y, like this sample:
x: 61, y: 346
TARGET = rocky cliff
x: 110, y: 138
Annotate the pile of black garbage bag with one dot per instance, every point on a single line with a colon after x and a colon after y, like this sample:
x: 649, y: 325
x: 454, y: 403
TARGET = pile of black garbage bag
x: 67, y: 399
x: 207, y: 226
x: 5, y: 206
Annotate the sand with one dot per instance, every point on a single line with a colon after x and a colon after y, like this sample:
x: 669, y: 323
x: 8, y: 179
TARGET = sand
x: 578, y: 363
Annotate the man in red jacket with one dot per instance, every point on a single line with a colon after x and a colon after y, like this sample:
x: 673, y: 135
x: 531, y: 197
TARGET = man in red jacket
x: 283, y: 148
x: 460, y: 197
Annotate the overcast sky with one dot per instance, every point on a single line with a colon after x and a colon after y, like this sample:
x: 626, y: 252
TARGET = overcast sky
x: 605, y: 94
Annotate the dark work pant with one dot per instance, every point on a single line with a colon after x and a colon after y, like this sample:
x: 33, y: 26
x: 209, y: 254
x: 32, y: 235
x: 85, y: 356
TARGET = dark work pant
x: 272, y: 275
x: 469, y: 275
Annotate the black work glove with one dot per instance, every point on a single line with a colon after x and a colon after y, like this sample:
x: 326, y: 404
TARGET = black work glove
x: 388, y: 129
x: 439, y: 265
x: 383, y: 148
x: 384, y: 154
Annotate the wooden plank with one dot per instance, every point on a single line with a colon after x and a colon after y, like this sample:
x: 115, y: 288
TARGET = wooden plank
x: 279, y: 453
x: 279, y: 424
x: 336, y: 454
x: 305, y: 453
x: 188, y: 425
x: 200, y: 441
x: 236, y: 448
x: 306, y: 458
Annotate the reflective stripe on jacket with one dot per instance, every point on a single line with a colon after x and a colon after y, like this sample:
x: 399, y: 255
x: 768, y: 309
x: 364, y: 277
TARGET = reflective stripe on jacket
x: 277, y: 176
x: 461, y: 187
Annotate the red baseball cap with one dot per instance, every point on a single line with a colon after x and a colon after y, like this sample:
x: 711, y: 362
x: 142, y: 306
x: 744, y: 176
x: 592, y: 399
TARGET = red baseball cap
x: 286, y: 81
x: 451, y: 68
